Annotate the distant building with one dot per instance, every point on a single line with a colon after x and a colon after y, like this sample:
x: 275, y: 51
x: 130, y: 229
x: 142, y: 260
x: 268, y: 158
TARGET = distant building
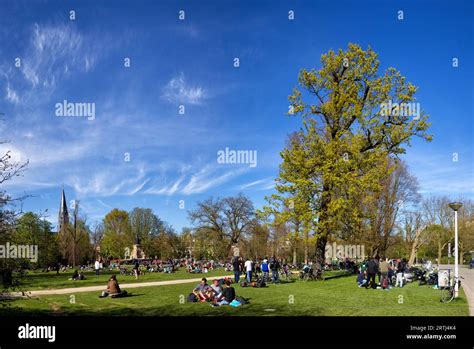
x: 63, y: 216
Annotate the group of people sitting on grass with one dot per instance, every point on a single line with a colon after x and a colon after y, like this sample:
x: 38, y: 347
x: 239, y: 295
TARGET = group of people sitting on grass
x: 77, y: 276
x: 200, y: 266
x: 219, y: 293
x: 386, y: 270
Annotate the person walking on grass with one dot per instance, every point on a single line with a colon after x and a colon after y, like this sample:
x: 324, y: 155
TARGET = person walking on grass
x: 136, y: 269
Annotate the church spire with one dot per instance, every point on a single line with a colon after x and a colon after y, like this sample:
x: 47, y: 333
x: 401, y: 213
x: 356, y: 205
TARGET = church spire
x: 63, y: 219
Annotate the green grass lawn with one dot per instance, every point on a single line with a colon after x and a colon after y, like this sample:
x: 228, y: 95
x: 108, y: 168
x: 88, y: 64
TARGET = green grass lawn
x: 334, y: 297
x: 41, y: 280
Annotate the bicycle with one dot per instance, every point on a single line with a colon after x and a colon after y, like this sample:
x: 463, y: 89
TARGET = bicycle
x: 286, y: 276
x: 311, y: 275
x: 447, y: 293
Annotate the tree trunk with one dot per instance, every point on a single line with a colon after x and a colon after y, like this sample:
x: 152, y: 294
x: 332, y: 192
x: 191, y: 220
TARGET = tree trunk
x: 323, y: 229
x: 414, y: 250
x: 306, y: 251
x: 321, y: 250
x: 294, y: 254
x: 73, y: 254
x: 440, y: 252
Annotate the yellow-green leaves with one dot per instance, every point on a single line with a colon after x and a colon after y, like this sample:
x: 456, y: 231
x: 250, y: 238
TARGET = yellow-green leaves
x: 354, y: 119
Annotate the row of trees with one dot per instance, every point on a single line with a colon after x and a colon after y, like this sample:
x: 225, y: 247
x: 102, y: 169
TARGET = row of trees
x: 396, y: 228
x: 120, y: 229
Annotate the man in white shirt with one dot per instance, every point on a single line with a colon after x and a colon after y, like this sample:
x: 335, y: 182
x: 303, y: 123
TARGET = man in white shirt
x: 97, y: 267
x: 248, y: 269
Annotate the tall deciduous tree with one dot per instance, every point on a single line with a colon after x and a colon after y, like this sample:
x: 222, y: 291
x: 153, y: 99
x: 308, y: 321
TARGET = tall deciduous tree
x: 149, y: 227
x: 439, y: 217
x: 347, y: 137
x: 9, y: 169
x: 398, y: 193
x: 228, y: 218
x: 31, y: 229
x: 117, y: 236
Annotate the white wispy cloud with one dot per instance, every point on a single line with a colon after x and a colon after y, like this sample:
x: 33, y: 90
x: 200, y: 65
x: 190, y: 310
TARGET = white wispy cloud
x: 109, y: 182
x: 55, y: 51
x: 438, y: 174
x: 167, y: 189
x: 207, y: 178
x: 52, y: 53
x: 11, y: 95
x: 177, y: 90
x: 261, y: 184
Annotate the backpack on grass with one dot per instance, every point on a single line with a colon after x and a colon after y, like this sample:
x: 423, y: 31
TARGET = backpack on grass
x: 192, y: 298
x: 241, y: 300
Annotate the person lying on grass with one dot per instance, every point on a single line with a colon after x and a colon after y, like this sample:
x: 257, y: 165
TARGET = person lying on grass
x: 113, y: 289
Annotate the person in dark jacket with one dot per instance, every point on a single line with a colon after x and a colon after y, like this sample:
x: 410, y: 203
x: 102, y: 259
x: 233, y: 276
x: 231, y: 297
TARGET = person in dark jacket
x: 228, y: 294
x: 372, y: 270
x: 236, y: 264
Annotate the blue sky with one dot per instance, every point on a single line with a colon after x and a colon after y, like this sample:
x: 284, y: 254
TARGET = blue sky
x: 190, y: 63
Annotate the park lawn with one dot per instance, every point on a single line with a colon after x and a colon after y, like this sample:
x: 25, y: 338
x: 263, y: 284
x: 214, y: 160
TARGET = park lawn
x: 334, y: 297
x: 42, y: 280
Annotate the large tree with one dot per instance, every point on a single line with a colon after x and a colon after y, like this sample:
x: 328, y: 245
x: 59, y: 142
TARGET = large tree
x: 9, y: 169
x: 148, y: 227
x: 387, y: 206
x: 439, y: 218
x: 32, y: 229
x: 347, y: 137
x: 117, y: 234
x: 74, y: 239
x: 228, y: 219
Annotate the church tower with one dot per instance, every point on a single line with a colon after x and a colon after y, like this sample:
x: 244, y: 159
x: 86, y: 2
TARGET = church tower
x: 63, y: 217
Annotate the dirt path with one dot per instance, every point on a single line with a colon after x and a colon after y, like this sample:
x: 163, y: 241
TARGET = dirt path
x: 467, y: 283
x: 103, y: 287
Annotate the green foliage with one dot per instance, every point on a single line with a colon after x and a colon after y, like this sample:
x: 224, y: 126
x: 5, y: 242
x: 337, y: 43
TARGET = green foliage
x: 341, y: 153
x: 32, y: 230
x: 117, y: 234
